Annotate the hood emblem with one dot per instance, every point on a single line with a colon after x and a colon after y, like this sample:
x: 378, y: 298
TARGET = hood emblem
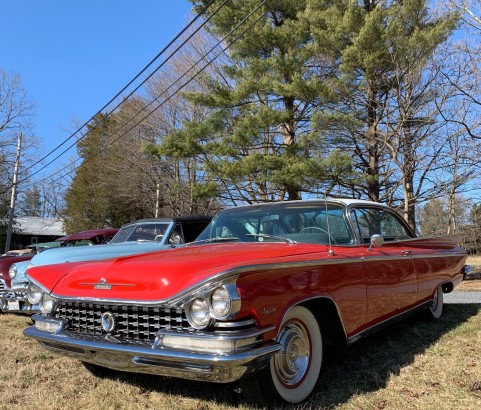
x: 108, y: 322
x: 102, y: 284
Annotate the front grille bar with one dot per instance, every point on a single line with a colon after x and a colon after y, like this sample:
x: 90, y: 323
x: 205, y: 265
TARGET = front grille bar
x: 132, y: 322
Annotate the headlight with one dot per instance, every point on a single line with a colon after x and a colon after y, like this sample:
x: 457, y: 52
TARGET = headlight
x: 221, y: 303
x: 198, y: 313
x: 12, y: 271
x: 47, y: 303
x: 34, y: 294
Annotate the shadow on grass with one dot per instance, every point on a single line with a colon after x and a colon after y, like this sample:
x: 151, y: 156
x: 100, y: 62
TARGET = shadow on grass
x: 364, y: 367
x: 367, y: 365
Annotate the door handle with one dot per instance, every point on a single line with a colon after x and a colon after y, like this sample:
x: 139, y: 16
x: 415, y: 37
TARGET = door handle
x: 406, y: 253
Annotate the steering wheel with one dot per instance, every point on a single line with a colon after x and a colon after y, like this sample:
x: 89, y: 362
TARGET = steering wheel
x: 316, y: 228
x: 158, y: 238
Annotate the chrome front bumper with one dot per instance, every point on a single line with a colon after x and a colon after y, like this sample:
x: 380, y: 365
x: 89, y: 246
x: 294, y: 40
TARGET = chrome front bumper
x: 14, y: 301
x: 108, y: 352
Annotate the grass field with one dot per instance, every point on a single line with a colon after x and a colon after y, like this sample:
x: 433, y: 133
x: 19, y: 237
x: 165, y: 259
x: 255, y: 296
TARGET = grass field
x: 414, y: 364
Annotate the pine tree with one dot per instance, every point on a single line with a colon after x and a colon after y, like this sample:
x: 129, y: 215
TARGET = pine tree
x: 386, y: 93
x: 257, y: 141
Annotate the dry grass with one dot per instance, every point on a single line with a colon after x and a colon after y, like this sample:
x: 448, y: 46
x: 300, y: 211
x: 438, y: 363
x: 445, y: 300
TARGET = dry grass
x: 470, y: 285
x: 416, y: 363
x: 473, y: 285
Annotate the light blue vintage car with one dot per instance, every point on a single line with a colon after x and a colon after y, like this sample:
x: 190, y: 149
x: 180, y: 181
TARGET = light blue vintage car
x: 142, y: 236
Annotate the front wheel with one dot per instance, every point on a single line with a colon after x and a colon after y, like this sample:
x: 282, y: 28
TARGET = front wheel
x: 293, y: 372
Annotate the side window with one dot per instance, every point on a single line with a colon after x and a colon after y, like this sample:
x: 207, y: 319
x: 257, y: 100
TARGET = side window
x: 370, y: 221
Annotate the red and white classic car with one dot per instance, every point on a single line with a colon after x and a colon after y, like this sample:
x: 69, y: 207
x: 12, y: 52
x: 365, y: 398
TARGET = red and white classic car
x: 257, y: 298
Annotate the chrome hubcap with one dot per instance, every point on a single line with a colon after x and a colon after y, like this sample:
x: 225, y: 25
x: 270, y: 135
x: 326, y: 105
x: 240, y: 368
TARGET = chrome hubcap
x: 292, y: 361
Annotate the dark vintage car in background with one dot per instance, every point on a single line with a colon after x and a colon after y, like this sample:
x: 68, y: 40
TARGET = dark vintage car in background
x: 19, y: 256
x: 141, y: 236
x: 5, y: 263
x: 256, y: 299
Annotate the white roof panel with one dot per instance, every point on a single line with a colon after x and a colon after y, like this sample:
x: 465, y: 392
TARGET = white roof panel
x: 32, y: 225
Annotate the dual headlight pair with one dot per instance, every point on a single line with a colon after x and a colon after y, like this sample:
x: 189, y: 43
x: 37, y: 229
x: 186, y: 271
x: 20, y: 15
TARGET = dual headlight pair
x: 35, y: 296
x: 223, y: 302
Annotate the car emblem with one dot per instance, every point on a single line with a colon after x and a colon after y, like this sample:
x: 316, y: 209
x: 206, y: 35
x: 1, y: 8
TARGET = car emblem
x: 103, y: 284
x: 108, y: 322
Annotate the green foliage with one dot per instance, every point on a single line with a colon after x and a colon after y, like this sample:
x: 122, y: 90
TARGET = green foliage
x: 110, y: 187
x: 256, y: 139
x: 31, y: 204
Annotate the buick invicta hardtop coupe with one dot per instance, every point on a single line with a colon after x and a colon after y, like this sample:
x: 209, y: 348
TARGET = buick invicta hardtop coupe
x: 256, y: 299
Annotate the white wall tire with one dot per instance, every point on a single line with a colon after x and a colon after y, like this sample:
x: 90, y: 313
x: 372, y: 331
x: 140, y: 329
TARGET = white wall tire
x: 292, y: 373
x: 436, y: 308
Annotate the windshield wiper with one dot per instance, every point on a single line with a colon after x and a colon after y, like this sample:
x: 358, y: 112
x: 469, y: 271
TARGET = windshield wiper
x: 211, y: 240
x: 265, y: 236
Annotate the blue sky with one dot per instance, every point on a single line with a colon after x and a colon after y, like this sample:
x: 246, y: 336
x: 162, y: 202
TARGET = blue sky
x: 74, y: 56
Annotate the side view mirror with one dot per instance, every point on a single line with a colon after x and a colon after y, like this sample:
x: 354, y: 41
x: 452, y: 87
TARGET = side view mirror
x: 376, y: 241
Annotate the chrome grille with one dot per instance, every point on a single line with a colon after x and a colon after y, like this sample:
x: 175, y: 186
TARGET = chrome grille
x: 3, y: 285
x: 132, y: 322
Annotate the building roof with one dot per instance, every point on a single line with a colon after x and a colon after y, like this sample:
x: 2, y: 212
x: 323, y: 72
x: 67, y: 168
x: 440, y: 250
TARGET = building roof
x: 32, y: 225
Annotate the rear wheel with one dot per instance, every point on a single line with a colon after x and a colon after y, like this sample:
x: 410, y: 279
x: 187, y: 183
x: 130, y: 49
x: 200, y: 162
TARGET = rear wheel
x: 435, y: 310
x: 293, y: 372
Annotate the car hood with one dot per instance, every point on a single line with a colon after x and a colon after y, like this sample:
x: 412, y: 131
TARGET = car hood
x: 93, y: 253
x: 163, y: 275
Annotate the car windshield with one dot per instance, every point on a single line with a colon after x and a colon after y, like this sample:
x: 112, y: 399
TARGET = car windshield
x: 299, y: 223
x: 141, y: 232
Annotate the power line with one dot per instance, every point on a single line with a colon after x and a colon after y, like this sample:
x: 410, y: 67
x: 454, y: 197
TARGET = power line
x: 176, y: 81
x: 124, y: 88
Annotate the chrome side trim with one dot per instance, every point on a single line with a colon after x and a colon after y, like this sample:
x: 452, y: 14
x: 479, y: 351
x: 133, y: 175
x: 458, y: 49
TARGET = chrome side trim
x: 432, y: 256
x: 232, y: 325
x: 176, y: 300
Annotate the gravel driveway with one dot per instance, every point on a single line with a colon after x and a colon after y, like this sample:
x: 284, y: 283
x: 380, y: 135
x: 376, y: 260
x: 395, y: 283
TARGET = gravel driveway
x: 460, y: 296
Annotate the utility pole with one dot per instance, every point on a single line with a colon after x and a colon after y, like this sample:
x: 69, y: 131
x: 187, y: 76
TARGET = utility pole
x: 13, y: 195
x: 157, y: 196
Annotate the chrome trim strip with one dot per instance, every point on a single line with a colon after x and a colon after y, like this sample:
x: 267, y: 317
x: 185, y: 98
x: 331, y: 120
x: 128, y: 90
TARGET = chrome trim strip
x: 230, y: 325
x: 176, y: 300
x: 437, y: 255
x: 413, y: 255
x: 213, y: 336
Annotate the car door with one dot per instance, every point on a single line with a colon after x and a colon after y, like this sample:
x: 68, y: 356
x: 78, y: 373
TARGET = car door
x: 390, y: 275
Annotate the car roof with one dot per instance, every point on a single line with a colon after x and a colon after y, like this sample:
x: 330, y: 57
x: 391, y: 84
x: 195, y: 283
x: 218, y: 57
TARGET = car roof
x: 185, y: 218
x: 46, y: 244
x: 89, y: 234
x: 340, y: 201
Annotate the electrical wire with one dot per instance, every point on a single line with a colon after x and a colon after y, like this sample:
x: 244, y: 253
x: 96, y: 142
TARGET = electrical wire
x: 175, y: 82
x: 126, y: 87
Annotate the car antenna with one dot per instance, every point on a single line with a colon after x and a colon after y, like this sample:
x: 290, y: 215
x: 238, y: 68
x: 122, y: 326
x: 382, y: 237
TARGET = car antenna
x: 330, y: 252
